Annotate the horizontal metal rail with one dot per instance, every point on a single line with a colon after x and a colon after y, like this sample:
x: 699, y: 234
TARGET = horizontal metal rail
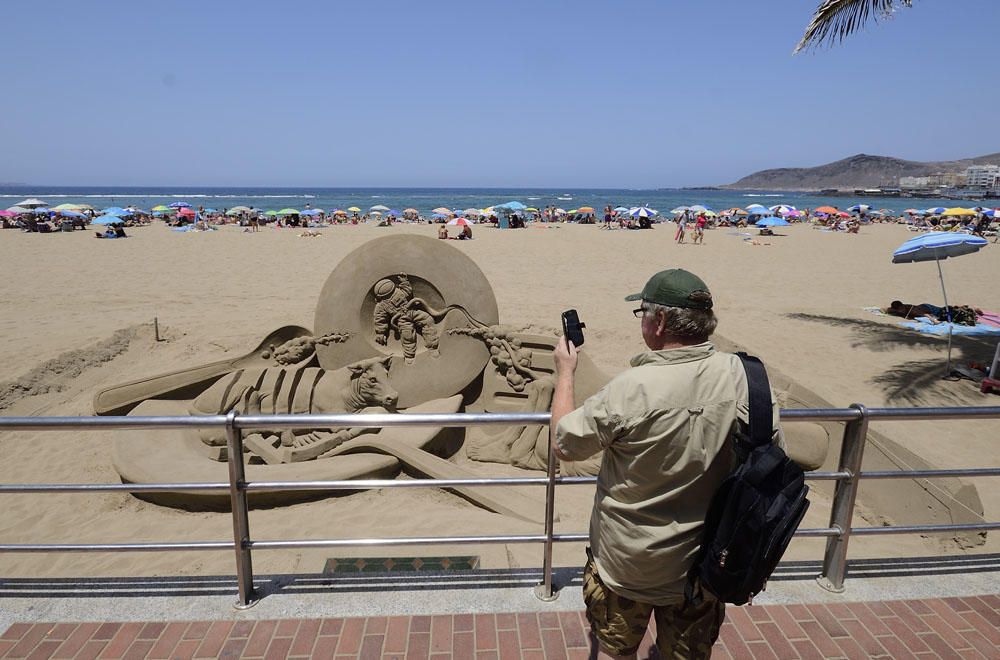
x: 847, y: 477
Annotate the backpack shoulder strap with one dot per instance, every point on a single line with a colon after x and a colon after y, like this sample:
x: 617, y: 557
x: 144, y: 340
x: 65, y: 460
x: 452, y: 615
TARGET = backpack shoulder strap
x: 761, y: 414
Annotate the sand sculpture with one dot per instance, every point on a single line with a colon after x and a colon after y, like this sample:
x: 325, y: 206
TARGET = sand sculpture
x: 403, y: 324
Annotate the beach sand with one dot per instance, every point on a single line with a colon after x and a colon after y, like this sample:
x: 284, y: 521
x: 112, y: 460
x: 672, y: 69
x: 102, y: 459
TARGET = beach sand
x: 76, y: 316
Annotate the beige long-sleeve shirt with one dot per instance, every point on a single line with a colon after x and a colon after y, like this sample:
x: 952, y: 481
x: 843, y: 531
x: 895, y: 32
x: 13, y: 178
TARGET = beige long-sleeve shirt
x: 665, y: 427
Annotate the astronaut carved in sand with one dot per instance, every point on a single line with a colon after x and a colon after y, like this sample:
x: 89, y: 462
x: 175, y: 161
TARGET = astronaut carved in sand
x: 397, y: 311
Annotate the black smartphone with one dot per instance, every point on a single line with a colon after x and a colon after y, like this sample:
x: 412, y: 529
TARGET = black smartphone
x: 572, y: 327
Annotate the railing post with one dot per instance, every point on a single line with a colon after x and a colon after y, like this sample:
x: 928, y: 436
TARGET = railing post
x: 241, y: 519
x: 544, y: 591
x: 852, y: 450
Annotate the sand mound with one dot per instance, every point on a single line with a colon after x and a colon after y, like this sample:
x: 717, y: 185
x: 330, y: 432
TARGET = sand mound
x: 54, y: 375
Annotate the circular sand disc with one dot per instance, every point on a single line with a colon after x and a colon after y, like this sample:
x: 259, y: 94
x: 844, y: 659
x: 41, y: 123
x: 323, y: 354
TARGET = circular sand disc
x: 442, y: 276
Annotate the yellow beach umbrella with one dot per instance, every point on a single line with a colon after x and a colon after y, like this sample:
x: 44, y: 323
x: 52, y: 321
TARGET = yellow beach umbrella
x: 531, y: 209
x: 354, y: 209
x: 66, y: 207
x: 958, y: 211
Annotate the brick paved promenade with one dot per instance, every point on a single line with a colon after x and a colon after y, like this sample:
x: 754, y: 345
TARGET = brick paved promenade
x: 967, y: 627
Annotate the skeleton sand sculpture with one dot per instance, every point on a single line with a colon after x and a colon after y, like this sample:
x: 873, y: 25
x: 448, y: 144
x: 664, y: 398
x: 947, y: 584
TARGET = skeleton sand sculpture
x: 403, y: 324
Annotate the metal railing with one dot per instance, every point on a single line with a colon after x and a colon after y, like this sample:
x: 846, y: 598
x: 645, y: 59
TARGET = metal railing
x: 838, y: 534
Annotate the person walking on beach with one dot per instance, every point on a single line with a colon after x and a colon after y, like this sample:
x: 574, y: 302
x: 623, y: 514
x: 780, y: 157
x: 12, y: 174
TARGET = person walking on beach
x: 666, y: 427
x: 681, y: 222
x: 699, y: 229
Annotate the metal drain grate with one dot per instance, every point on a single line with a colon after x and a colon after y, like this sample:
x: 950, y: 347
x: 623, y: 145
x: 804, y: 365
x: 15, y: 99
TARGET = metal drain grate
x: 399, y: 564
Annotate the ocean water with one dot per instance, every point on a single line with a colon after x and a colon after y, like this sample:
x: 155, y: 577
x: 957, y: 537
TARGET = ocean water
x: 425, y: 199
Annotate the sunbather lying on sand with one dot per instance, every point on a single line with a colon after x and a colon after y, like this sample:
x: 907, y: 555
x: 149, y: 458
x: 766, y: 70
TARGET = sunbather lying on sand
x: 961, y: 314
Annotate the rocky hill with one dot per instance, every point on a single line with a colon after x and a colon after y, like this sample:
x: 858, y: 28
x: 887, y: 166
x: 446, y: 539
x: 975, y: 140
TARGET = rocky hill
x: 860, y: 171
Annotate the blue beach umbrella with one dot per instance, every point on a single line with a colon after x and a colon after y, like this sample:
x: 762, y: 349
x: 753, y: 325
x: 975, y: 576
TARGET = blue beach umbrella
x: 771, y: 221
x: 393, y: 212
x: 311, y: 212
x: 642, y: 212
x: 71, y: 214
x: 859, y: 208
x: 116, y: 210
x: 513, y: 206
x: 179, y: 205
x: 106, y: 220
x: 936, y: 246
x: 937, y: 210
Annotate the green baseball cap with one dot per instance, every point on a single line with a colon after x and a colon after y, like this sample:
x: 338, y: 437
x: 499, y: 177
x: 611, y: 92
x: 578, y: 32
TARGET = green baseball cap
x: 675, y: 288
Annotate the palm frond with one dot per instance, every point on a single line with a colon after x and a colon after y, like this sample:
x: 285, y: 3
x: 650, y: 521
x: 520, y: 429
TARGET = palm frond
x: 836, y: 19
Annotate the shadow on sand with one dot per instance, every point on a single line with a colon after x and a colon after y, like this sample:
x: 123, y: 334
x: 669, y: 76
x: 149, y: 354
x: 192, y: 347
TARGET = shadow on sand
x: 916, y: 382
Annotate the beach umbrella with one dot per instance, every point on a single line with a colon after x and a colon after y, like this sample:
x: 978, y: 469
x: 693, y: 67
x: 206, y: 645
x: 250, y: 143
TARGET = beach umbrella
x: 379, y: 207
x: 71, y: 214
x: 31, y: 203
x: 781, y: 209
x: 936, y: 246
x: 991, y: 213
x: 642, y: 212
x: 442, y: 210
x: 937, y: 210
x: 771, y: 221
x: 7, y: 214
x: 859, y: 208
x: 462, y: 222
x: 187, y: 211
x: 288, y: 212
x: 41, y: 210
x: 825, y: 209
x: 531, y: 209
x: 311, y: 212
x: 340, y: 212
x: 206, y: 210
x: 393, y: 212
x: 106, y: 220
x: 236, y: 210
x: 472, y: 212
x: 19, y: 209
x: 512, y: 206
x: 179, y: 205
x: 957, y: 212
x: 116, y: 210
x: 271, y: 213
x: 354, y: 209
x: 412, y: 211
x: 679, y: 210
x: 621, y: 209
x: 698, y: 208
x: 161, y: 208
x: 65, y: 207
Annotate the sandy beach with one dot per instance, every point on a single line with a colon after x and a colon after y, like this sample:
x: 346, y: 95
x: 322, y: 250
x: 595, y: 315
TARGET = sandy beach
x: 76, y: 315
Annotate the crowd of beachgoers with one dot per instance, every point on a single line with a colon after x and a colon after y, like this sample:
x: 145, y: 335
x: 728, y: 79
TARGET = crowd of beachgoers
x: 35, y: 215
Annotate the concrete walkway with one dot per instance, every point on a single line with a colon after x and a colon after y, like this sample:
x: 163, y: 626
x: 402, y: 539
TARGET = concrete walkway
x: 931, y: 607
x: 967, y: 627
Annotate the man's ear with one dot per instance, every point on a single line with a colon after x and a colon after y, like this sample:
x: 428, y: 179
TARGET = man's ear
x: 661, y: 323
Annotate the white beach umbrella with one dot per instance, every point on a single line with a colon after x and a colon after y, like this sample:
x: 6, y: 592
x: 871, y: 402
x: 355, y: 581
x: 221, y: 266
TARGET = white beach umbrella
x: 31, y: 203
x: 679, y: 210
x: 379, y: 207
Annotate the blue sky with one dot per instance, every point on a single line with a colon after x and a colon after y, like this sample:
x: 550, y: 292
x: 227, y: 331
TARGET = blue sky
x: 625, y: 93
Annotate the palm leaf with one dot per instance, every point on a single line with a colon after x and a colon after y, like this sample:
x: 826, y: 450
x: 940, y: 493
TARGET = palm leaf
x: 836, y: 19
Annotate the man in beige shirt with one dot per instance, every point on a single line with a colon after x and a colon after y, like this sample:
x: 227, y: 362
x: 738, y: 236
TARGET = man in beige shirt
x: 666, y: 428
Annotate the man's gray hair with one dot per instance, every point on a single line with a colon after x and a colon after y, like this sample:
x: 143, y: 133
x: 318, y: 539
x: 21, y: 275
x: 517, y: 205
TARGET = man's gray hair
x: 685, y: 322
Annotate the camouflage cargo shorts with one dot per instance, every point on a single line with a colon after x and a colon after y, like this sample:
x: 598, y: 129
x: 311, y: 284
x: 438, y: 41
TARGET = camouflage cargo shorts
x: 619, y: 623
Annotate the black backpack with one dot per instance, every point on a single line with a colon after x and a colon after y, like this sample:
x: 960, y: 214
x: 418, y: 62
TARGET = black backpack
x: 755, y: 511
